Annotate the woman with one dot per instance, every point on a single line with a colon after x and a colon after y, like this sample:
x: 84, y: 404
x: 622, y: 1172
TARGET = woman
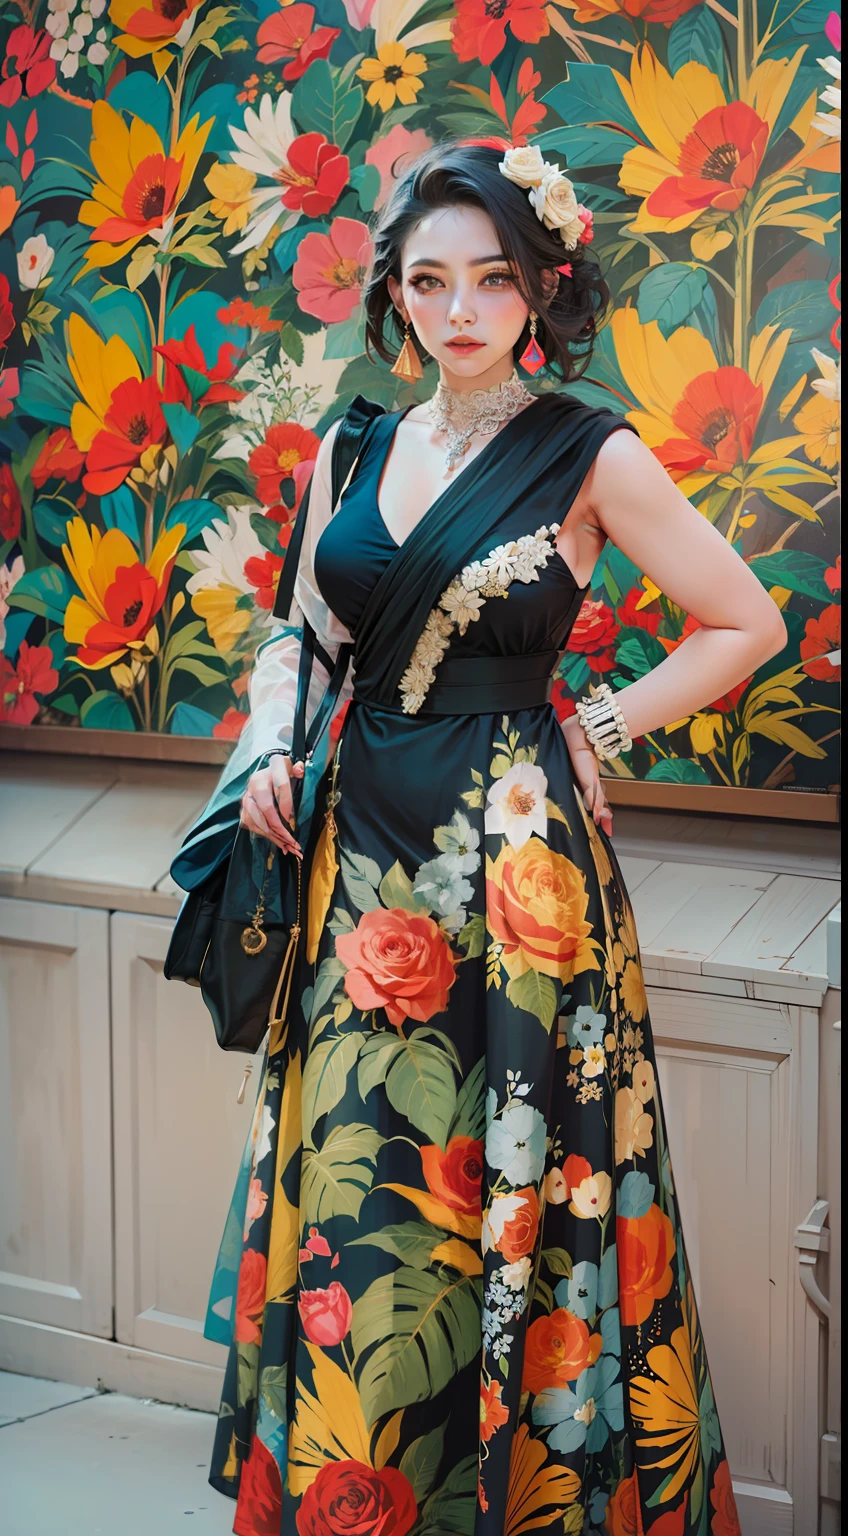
x: 463, y: 1302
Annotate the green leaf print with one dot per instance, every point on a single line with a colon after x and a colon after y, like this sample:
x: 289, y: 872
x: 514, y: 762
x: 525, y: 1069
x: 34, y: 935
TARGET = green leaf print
x: 377, y: 1054
x: 325, y: 1076
x: 450, y: 1509
x: 396, y: 891
x: 335, y: 1181
x: 361, y: 877
x: 272, y: 1388
x: 536, y: 994
x: 472, y: 938
x: 248, y: 1361
x: 557, y: 1261
x: 470, y: 1116
x: 421, y: 1330
x: 410, y: 1241
x: 420, y: 1085
x: 420, y: 1461
x: 329, y: 976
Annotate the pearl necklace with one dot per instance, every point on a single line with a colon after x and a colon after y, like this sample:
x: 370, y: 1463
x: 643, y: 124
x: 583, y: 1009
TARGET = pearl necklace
x: 461, y: 414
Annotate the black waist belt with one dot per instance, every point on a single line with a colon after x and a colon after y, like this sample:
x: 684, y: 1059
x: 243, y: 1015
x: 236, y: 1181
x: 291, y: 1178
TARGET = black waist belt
x: 482, y: 685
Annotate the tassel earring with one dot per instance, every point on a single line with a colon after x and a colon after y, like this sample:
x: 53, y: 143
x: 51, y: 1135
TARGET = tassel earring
x: 407, y: 365
x: 532, y: 358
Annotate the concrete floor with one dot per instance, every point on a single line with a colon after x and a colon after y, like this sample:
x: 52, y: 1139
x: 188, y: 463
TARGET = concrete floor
x: 82, y: 1463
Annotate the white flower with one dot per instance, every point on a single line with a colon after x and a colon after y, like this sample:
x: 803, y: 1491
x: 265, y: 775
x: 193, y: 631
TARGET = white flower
x: 58, y: 48
x: 228, y: 546
x: 97, y: 7
x: 101, y: 34
x: 517, y: 1275
x: 62, y: 6
x: 83, y: 24
x: 263, y: 1134
x: 500, y: 563
x: 556, y: 205
x: 75, y: 44
x: 262, y: 147
x: 593, y: 1061
x: 463, y: 607
x: 831, y: 122
x: 474, y: 576
x: 98, y: 53
x: 586, y: 1414
x: 525, y: 165
x: 515, y: 804
x: 35, y: 258
x: 69, y: 65
x: 830, y: 383
x: 57, y: 25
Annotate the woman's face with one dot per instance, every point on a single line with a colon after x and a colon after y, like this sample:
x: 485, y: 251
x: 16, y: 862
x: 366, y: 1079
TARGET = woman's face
x: 460, y: 296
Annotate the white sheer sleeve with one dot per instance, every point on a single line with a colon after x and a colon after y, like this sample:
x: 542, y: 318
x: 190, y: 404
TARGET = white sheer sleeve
x: 273, y: 683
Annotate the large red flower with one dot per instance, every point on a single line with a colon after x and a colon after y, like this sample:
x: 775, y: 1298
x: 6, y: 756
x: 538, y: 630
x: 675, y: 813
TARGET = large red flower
x: 27, y: 66
x: 134, y: 426
x: 479, y: 29
x: 326, y: 1314
x: 592, y: 636
x: 725, y: 1520
x: 35, y: 673
x: 454, y: 1176
x: 250, y: 1297
x: 718, y: 162
x: 556, y: 1351
x: 821, y: 636
x: 717, y: 416
x: 631, y: 617
x: 150, y: 196
x: 287, y: 446
x: 349, y: 1498
x: 263, y: 573
x: 188, y: 379
x: 315, y: 174
x: 59, y: 459
x: 260, y: 1495
x: 10, y: 504
x: 289, y: 35
x: 7, y: 314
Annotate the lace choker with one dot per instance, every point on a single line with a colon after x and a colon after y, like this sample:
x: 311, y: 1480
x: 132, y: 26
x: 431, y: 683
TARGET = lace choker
x: 461, y: 414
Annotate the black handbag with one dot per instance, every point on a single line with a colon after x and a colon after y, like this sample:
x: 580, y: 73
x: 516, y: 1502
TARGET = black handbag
x: 236, y: 935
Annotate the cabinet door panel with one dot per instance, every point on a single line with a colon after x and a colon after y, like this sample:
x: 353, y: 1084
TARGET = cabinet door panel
x: 179, y: 1135
x: 55, y: 1119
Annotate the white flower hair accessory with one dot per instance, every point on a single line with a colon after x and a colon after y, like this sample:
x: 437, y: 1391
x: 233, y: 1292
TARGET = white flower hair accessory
x: 551, y: 194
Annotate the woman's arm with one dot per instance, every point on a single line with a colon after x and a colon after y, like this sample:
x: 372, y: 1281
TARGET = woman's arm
x: 638, y: 506
x: 635, y: 503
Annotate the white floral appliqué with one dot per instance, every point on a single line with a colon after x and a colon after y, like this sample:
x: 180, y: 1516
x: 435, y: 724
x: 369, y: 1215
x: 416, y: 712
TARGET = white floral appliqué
x: 461, y: 602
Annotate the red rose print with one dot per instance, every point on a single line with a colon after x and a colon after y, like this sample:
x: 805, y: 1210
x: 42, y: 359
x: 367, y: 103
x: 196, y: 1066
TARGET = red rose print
x: 593, y: 634
x: 250, y: 1300
x: 349, y: 1499
x: 454, y: 1176
x: 398, y: 961
x: 325, y: 1314
x: 10, y: 504
x: 260, y: 1497
x: 725, y: 1520
x: 557, y: 1350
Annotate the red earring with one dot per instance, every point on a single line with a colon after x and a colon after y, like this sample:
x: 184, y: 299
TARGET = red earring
x: 532, y: 358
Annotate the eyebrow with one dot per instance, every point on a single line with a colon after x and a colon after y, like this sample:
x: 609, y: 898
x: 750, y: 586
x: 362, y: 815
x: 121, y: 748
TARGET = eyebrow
x: 479, y: 261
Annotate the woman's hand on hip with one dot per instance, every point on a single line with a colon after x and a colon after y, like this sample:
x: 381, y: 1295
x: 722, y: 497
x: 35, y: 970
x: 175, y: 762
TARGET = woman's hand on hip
x: 267, y: 807
x: 587, y: 772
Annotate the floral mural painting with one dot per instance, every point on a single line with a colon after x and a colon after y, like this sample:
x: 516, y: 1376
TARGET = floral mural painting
x: 185, y: 196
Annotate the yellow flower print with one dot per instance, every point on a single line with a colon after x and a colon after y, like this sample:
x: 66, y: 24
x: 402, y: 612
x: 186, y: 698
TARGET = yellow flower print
x: 667, y: 1409
x: 634, y: 998
x: 393, y: 76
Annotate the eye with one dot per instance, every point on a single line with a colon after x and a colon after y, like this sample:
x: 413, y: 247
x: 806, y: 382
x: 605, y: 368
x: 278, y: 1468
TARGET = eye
x: 498, y: 279
x: 422, y: 282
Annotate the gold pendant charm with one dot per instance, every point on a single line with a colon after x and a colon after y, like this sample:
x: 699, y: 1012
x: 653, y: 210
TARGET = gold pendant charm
x: 253, y: 941
x: 407, y: 365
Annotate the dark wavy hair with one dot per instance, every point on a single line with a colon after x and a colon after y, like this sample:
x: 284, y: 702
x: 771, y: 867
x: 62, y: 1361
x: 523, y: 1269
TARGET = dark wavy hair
x: 459, y: 174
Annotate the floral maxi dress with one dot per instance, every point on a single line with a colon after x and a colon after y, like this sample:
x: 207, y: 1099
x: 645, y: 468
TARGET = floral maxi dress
x: 453, y: 1279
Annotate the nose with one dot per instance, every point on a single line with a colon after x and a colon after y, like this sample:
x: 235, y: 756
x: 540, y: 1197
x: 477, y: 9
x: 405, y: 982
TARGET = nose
x: 461, y: 311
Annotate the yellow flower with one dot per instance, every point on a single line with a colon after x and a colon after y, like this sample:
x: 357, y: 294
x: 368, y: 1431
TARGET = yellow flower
x: 150, y: 26
x: 97, y: 368
x: 140, y: 187
x: 393, y: 76
x: 120, y: 596
x: 216, y: 606
x: 633, y: 995
x: 819, y: 418
x: 706, y: 733
x: 667, y: 1408
x: 231, y: 187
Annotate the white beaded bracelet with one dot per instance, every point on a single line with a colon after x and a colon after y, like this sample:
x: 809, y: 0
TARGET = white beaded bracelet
x: 603, y: 721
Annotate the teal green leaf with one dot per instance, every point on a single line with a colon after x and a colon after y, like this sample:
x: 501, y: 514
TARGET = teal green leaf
x: 361, y: 877
x: 197, y: 513
x: 410, y: 1241
x: 678, y: 770
x: 795, y: 570
x: 46, y: 591
x: 536, y: 994
x: 106, y: 711
x: 470, y: 1114
x: 396, y: 891
x: 291, y: 342
x: 669, y: 293
x: 375, y: 1058
x: 449, y: 1511
x: 190, y: 720
x: 696, y: 37
x: 329, y: 975
x: 51, y: 521
x: 412, y: 1332
x: 320, y: 106
x: 183, y: 426
x: 335, y: 1181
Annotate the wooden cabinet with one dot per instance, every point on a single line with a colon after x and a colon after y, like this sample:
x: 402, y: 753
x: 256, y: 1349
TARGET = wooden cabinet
x: 55, y: 1117
x: 179, y: 1135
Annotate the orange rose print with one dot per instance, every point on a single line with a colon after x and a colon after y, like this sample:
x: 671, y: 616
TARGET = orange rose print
x: 454, y: 1176
x: 537, y: 903
x: 622, y: 1514
x: 493, y: 1413
x: 645, y: 1251
x: 398, y: 961
x: 516, y: 1235
x: 725, y: 1520
x: 557, y: 1350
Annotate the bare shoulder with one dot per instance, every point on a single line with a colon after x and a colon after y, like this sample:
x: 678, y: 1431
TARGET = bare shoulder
x: 622, y: 460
